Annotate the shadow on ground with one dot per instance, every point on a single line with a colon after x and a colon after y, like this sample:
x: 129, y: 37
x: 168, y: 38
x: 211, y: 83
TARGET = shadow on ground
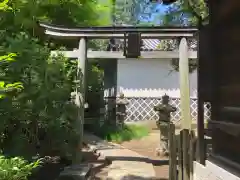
x: 97, y: 171
x: 105, y: 163
x: 132, y: 177
x: 138, y: 159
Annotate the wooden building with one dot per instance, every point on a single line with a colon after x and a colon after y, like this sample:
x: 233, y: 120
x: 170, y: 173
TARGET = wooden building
x: 219, y: 84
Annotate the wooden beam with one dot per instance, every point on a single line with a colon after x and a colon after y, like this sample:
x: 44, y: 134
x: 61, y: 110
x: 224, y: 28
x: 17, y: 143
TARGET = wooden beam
x: 119, y: 55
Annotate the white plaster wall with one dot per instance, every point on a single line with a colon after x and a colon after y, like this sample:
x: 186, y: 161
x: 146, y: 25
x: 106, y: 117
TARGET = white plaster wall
x: 150, y: 78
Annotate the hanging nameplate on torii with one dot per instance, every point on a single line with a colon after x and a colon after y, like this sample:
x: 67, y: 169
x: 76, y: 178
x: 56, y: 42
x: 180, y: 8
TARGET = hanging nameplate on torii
x: 134, y: 44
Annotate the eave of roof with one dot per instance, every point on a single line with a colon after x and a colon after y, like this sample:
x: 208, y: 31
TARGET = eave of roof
x: 148, y: 32
x: 121, y: 29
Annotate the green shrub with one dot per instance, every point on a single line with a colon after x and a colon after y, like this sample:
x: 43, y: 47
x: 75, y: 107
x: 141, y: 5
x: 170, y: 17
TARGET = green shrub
x: 40, y: 119
x: 94, y: 93
x: 6, y: 88
x: 128, y: 132
x: 16, y: 168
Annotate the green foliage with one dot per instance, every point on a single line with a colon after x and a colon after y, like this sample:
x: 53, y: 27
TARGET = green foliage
x: 7, y: 58
x: 4, y: 88
x: 95, y: 78
x: 94, y: 93
x: 41, y: 118
x: 192, y: 9
x: 4, y: 5
x: 26, y: 14
x: 127, y: 133
x: 16, y: 168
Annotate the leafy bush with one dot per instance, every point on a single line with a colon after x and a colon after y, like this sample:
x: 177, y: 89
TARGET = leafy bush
x: 94, y: 93
x: 40, y: 119
x: 115, y: 134
x: 16, y: 168
x: 4, y: 88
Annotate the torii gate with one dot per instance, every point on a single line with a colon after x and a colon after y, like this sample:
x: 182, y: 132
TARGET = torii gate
x: 85, y: 33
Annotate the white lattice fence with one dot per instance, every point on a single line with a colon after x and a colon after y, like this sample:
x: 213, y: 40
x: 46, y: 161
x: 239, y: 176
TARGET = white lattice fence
x: 140, y: 109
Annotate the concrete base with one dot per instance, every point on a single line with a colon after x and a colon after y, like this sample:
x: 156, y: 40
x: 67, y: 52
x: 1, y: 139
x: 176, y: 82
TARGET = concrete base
x: 212, y: 172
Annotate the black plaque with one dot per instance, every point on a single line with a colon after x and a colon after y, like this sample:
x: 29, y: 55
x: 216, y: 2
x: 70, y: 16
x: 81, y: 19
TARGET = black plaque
x: 133, y: 45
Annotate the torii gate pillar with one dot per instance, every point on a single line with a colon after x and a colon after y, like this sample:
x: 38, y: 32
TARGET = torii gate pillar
x: 185, y: 103
x: 80, y: 94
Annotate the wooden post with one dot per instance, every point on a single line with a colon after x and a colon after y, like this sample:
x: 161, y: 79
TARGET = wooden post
x: 180, y: 157
x: 80, y: 94
x: 202, y: 46
x: 200, y: 131
x: 173, y: 153
x: 185, y: 103
x: 185, y: 145
x: 192, y: 153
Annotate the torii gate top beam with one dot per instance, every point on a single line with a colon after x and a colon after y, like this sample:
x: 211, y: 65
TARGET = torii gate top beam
x: 147, y: 32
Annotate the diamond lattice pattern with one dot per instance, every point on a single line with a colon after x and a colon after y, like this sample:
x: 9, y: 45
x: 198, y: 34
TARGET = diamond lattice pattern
x: 140, y: 109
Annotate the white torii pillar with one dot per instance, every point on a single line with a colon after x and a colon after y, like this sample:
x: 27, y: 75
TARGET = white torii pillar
x: 184, y: 85
x: 80, y: 94
x: 185, y: 104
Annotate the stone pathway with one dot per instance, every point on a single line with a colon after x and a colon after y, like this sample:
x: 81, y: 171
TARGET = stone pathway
x: 125, y: 164
x: 146, y: 147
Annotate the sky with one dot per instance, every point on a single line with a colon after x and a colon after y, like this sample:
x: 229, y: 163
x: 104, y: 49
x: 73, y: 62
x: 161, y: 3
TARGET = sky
x: 159, y: 10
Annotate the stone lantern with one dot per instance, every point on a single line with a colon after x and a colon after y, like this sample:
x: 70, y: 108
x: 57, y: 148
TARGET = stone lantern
x: 121, y: 110
x: 164, y: 111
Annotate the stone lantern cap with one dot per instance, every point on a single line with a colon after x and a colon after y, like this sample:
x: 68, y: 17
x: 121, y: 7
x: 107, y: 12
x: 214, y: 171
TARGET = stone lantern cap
x: 121, y: 100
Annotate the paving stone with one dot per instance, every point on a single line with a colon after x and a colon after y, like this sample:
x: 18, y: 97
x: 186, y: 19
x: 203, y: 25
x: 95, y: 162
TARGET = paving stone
x: 75, y: 172
x: 125, y: 163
